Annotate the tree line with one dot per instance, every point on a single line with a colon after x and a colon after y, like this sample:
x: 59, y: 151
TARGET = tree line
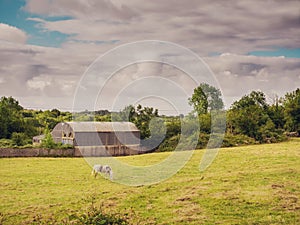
x: 249, y: 120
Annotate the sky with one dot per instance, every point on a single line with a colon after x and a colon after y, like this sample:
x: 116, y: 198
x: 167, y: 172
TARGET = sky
x: 48, y: 46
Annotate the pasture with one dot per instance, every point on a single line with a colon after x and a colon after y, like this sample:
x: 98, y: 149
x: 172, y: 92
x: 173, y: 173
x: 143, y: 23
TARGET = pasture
x: 257, y: 184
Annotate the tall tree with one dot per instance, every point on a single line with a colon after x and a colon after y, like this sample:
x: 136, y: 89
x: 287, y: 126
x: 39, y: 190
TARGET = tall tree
x: 143, y: 118
x: 292, y: 110
x: 248, y: 114
x: 128, y: 114
x: 276, y: 113
x: 11, y: 119
x: 140, y: 116
x: 206, y: 98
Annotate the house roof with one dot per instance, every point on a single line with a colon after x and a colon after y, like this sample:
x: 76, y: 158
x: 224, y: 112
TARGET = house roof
x: 101, y: 126
x: 39, y: 137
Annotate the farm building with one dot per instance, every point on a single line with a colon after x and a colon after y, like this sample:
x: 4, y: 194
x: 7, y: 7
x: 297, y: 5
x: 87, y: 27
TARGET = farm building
x: 36, y: 140
x: 99, y: 138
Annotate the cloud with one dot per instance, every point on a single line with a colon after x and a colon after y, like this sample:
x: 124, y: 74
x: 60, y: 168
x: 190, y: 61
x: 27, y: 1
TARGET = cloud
x: 93, y: 10
x: 47, y: 77
x: 240, y: 74
x: 53, y: 74
x: 12, y: 34
x: 203, y: 26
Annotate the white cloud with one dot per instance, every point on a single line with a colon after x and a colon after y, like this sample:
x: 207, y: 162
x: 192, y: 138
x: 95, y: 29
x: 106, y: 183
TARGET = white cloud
x: 240, y: 74
x: 204, y: 26
x: 12, y: 34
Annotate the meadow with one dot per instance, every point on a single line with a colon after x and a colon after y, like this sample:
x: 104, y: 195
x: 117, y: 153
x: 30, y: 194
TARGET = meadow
x: 257, y: 184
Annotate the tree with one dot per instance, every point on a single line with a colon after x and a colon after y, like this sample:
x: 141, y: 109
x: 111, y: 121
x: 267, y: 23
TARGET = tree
x: 276, y: 113
x: 173, y: 127
x: 255, y: 98
x: 20, y: 139
x: 291, y: 105
x: 11, y: 119
x: 249, y: 116
x: 128, y: 114
x: 206, y: 98
x: 48, y: 141
x: 143, y: 118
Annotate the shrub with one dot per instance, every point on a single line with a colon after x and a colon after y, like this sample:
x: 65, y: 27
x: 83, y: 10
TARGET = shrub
x: 48, y: 141
x: 20, y: 139
x: 203, y: 140
x: 6, y: 143
x: 231, y: 140
x: 63, y: 146
x: 169, y: 144
x: 95, y: 216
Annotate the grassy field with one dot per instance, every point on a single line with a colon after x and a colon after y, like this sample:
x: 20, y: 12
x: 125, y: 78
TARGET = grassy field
x: 245, y: 185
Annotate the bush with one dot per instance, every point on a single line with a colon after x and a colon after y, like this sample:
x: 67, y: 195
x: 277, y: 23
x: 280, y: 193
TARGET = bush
x: 169, y: 144
x: 203, y: 140
x: 27, y: 146
x: 269, y: 134
x: 63, y: 146
x: 20, y: 139
x: 96, y: 216
x: 48, y: 141
x: 231, y: 140
x: 6, y: 143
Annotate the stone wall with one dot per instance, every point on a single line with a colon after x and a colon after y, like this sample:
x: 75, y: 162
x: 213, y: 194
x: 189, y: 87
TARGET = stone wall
x: 92, y: 151
x: 36, y: 152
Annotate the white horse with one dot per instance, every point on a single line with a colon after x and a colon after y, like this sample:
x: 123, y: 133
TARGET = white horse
x: 102, y: 169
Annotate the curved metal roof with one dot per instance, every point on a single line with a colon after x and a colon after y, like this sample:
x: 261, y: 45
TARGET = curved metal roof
x: 101, y: 126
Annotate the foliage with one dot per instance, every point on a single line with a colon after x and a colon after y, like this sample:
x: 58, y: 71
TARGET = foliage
x: 63, y: 146
x: 96, y: 216
x: 276, y: 113
x: 292, y: 111
x: 169, y: 144
x: 48, y: 141
x: 140, y: 116
x: 231, y: 140
x: 250, y: 116
x: 20, y: 139
x: 205, y: 122
x: 10, y: 117
x: 173, y: 126
x: 20, y: 125
x: 128, y: 114
x: 6, y: 143
x: 206, y: 98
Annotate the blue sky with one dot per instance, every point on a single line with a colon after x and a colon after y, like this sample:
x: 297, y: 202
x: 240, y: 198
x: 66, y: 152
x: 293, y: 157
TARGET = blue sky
x: 289, y: 53
x: 11, y: 13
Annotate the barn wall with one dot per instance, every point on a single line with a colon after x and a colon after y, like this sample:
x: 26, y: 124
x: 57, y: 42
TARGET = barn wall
x: 106, y: 138
x: 91, y: 143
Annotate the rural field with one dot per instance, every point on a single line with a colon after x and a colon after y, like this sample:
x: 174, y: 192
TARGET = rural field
x: 257, y: 184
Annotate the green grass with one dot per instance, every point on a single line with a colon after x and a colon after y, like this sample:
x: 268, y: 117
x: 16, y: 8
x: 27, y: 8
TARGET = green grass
x: 244, y: 185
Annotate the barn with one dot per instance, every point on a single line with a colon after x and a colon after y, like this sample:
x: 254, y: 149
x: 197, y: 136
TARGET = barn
x: 99, y: 138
